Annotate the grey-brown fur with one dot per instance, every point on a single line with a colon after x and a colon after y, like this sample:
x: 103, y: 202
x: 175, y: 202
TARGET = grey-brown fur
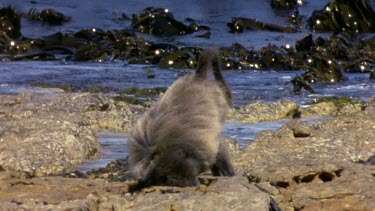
x: 179, y: 137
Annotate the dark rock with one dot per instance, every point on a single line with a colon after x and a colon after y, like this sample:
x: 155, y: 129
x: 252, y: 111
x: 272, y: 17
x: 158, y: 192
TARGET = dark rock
x: 206, y: 35
x: 305, y: 44
x: 326, y: 69
x: 183, y: 58
x: 372, y: 75
x: 240, y: 24
x: 303, y: 81
x: 49, y: 15
x: 339, y: 15
x: 284, y: 4
x: 161, y: 22
x: 10, y: 22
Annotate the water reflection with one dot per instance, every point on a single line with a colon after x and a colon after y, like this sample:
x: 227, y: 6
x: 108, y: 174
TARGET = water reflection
x: 113, y: 147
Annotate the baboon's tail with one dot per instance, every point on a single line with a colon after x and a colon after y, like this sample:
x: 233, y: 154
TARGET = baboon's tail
x: 209, y: 59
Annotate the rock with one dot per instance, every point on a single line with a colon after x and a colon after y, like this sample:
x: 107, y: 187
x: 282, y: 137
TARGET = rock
x: 10, y: 22
x: 349, y: 108
x: 183, y: 58
x: 49, y: 15
x: 301, y: 129
x: 58, y: 193
x: 258, y: 112
x: 305, y: 44
x: 372, y: 75
x: 341, y: 138
x: 326, y: 69
x: 239, y: 24
x: 340, y: 15
x: 303, y: 81
x: 43, y: 146
x: 161, y: 22
x: 310, y: 184
x: 319, y: 109
x: 48, y: 134
x: 328, y: 106
x: 371, y: 103
x: 284, y: 4
x: 314, y: 166
x: 233, y: 193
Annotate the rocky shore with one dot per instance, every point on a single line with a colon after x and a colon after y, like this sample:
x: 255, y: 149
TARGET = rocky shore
x: 325, y: 165
x: 302, y: 166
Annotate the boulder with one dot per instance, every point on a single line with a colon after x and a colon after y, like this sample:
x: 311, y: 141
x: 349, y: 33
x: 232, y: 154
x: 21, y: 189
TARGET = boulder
x: 341, y: 15
x: 269, y: 111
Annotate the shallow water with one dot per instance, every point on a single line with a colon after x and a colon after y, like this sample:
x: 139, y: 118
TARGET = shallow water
x: 248, y: 86
x: 114, y: 145
x: 214, y: 13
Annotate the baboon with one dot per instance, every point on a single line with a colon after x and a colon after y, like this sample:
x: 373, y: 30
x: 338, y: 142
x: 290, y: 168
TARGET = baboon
x: 179, y: 137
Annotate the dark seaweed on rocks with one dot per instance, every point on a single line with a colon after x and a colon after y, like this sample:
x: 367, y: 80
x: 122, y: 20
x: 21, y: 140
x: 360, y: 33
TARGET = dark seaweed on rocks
x: 240, y: 24
x: 284, y: 4
x: 161, y: 22
x: 10, y: 22
x: 49, y: 15
x: 340, y: 15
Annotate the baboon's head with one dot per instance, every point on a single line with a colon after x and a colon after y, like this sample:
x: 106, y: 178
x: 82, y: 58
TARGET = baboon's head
x: 178, y: 167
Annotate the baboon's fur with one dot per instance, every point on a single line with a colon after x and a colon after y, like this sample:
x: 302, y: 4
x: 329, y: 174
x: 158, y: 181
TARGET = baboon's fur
x: 179, y: 137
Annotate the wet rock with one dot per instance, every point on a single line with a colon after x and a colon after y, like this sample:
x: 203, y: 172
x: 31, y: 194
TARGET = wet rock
x: 49, y: 15
x: 284, y: 4
x: 305, y: 44
x: 339, y: 15
x: 238, y: 57
x: 296, y: 20
x: 372, y: 75
x: 350, y: 108
x: 329, y: 106
x: 115, y: 171
x: 10, y: 22
x: 303, y: 81
x: 258, y: 112
x: 277, y: 58
x: 206, y: 35
x: 319, y: 109
x: 325, y: 69
x: 183, y: 58
x: 145, y: 92
x: 161, y: 22
x: 240, y: 24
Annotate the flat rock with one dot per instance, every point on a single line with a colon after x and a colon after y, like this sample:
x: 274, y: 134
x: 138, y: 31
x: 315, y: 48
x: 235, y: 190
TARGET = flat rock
x: 58, y: 193
x: 320, y: 166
